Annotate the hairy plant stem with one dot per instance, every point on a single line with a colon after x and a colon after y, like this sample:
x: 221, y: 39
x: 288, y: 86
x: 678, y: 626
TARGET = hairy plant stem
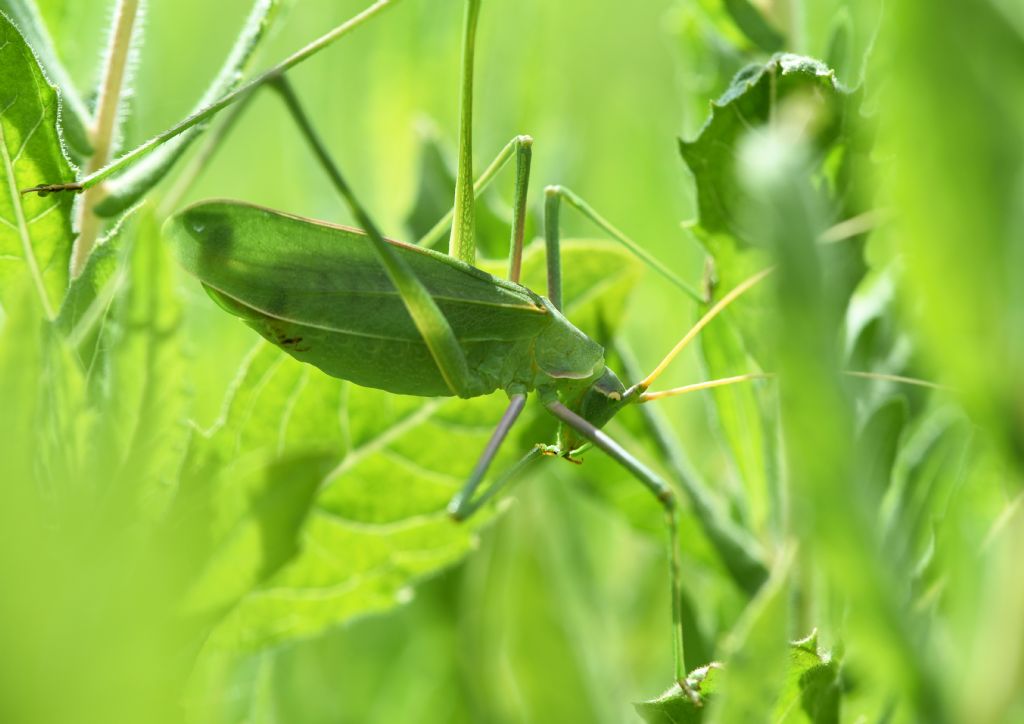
x: 104, y: 127
x: 94, y: 178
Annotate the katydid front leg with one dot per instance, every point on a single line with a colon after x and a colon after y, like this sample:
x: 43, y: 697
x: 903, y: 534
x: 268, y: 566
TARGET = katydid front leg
x: 428, y: 318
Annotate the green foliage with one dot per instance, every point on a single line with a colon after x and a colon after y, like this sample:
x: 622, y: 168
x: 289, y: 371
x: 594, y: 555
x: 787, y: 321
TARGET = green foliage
x: 73, y: 114
x: 787, y: 83
x: 197, y: 529
x: 35, y: 231
x: 810, y: 692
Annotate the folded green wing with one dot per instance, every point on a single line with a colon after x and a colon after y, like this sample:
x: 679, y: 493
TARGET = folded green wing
x: 319, y: 292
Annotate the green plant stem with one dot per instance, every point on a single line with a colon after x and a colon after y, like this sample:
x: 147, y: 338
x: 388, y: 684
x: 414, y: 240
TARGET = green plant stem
x: 584, y: 208
x: 308, y: 51
x: 104, y: 127
x: 462, y: 244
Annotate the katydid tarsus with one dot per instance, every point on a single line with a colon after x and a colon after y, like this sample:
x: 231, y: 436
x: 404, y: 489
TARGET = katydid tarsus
x: 410, y: 320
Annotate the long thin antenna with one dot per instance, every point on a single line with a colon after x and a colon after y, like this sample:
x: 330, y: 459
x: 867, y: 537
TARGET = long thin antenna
x: 722, y: 303
x: 725, y: 381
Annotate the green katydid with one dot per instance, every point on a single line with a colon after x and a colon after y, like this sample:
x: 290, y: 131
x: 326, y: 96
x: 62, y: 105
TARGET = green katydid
x: 413, y: 321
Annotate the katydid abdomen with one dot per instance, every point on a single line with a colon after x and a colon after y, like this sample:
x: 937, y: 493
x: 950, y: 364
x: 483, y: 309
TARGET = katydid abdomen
x: 319, y: 292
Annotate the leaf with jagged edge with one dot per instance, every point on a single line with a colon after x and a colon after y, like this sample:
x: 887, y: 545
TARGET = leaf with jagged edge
x: 74, y: 116
x: 125, y: 189
x: 757, y: 95
x: 379, y: 522
x: 762, y: 678
x: 35, y: 231
x: 811, y: 692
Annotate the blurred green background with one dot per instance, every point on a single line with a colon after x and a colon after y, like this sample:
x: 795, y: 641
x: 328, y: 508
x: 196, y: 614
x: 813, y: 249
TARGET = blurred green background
x: 560, y: 613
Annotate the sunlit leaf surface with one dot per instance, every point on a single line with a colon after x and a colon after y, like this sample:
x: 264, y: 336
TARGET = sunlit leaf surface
x: 35, y: 231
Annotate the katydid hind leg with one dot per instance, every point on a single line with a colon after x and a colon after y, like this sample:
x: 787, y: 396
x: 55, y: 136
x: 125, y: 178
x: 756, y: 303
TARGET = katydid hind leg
x: 427, y: 316
x: 552, y: 245
x: 524, y: 156
x: 666, y: 497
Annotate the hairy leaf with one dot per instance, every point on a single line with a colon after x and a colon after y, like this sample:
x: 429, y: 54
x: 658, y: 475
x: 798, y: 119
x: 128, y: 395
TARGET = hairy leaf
x: 74, y: 116
x: 35, y: 231
x: 86, y: 305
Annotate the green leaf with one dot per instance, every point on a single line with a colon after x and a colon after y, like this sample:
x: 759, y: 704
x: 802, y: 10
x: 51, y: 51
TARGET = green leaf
x: 759, y: 93
x: 379, y: 521
x: 878, y: 443
x: 127, y: 188
x: 35, y: 231
x: 756, y: 675
x: 811, y: 693
x: 253, y: 523
x: 754, y: 25
x: 962, y: 179
x: 87, y: 303
x: 142, y: 368
x: 840, y: 44
x: 20, y: 350
x: 787, y: 92
x: 763, y: 678
x: 743, y: 422
x: 435, y: 187
x: 674, y: 707
x: 595, y: 293
x: 74, y: 116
